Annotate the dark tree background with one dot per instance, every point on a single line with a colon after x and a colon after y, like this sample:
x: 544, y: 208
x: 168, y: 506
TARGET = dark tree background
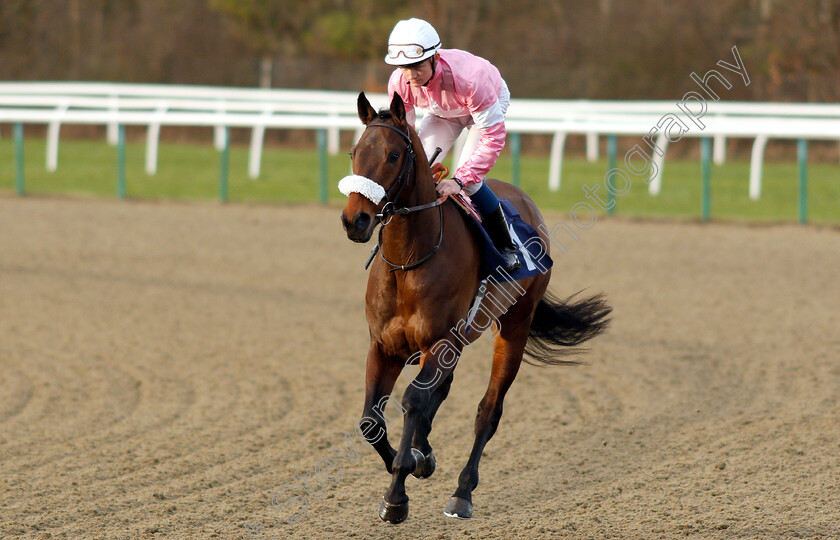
x: 631, y: 49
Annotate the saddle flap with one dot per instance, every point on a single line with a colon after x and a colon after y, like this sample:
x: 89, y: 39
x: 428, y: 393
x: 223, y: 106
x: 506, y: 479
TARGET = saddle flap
x: 464, y: 203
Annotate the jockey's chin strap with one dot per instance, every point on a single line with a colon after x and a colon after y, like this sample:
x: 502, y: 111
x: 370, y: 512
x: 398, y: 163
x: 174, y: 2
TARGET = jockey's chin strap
x: 389, y: 210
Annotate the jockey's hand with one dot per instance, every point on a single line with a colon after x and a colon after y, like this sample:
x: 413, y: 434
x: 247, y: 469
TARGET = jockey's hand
x: 448, y: 187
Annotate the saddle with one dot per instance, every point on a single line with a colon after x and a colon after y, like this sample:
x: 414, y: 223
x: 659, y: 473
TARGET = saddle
x: 532, y: 257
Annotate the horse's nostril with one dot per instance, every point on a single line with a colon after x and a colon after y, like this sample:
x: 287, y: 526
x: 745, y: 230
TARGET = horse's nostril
x: 345, y: 222
x: 362, y: 221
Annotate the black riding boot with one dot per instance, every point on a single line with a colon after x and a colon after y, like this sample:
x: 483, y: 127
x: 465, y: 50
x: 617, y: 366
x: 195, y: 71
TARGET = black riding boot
x: 497, y: 227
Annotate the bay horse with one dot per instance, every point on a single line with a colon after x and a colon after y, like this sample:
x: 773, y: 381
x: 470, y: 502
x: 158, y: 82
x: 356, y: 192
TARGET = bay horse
x: 420, y: 289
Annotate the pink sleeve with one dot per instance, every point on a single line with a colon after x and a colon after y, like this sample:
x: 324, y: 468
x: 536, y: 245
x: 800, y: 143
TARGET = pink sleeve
x: 398, y: 84
x: 484, y: 156
x: 483, y: 103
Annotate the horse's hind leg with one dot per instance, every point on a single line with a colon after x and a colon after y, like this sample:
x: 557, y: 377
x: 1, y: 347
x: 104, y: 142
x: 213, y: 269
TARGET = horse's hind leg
x: 507, y: 357
x: 425, y: 457
x: 381, y: 374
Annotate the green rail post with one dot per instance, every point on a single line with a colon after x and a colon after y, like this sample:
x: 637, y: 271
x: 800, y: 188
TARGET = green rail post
x: 18, y: 130
x: 612, y: 148
x: 322, y: 164
x: 515, y: 147
x: 121, y: 161
x: 705, y: 167
x: 802, y: 151
x: 224, y: 166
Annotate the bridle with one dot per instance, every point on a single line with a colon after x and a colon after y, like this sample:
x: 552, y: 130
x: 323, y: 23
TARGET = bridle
x: 390, y: 209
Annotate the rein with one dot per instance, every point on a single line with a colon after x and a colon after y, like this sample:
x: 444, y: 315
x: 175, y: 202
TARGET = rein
x: 389, y: 210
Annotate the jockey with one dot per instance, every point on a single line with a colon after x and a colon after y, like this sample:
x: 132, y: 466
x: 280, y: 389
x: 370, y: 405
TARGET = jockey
x: 459, y: 91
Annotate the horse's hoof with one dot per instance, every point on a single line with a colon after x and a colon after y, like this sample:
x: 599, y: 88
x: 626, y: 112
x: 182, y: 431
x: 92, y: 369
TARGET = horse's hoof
x: 425, y: 464
x: 458, y: 508
x: 393, y: 513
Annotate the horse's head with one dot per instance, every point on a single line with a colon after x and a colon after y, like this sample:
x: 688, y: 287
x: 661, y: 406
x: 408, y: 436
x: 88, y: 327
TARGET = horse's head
x: 383, y: 160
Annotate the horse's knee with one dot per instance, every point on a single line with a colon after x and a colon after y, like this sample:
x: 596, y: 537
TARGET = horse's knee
x: 415, y: 400
x: 372, y: 429
x: 444, y: 388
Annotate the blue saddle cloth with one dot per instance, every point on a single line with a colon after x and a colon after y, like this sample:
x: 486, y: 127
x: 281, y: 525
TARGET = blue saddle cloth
x: 532, y: 256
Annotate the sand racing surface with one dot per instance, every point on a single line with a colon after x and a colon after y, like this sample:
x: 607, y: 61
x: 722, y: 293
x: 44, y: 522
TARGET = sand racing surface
x: 166, y: 369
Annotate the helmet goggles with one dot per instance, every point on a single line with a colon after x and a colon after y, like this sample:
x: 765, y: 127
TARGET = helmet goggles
x: 411, y: 51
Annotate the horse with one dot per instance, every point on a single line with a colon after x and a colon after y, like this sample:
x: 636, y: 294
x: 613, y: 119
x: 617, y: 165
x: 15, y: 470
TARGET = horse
x: 419, y: 289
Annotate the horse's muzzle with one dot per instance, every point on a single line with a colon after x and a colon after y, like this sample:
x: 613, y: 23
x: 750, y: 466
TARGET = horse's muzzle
x: 360, y: 228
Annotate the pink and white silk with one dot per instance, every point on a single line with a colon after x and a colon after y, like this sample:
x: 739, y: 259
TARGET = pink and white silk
x: 466, y: 91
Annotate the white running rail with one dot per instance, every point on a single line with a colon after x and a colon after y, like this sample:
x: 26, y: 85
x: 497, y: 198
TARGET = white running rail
x: 111, y: 104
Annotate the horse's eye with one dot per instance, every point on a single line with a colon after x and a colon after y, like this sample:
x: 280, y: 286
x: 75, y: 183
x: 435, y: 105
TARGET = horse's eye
x: 393, y: 156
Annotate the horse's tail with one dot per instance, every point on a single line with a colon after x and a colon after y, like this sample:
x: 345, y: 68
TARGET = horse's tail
x: 564, y: 323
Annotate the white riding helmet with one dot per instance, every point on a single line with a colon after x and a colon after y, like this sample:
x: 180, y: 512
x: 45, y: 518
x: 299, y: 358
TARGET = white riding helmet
x: 411, y: 41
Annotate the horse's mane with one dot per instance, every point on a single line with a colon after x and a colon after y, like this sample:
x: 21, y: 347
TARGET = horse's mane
x: 385, y: 114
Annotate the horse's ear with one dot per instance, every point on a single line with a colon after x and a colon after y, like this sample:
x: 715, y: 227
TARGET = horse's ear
x: 398, y: 109
x: 366, y: 111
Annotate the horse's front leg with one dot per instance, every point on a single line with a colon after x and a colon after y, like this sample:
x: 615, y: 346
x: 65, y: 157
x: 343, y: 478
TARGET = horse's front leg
x: 381, y: 373
x: 419, y: 405
x: 426, y: 463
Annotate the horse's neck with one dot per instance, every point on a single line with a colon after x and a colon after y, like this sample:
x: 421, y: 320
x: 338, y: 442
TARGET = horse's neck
x: 415, y: 234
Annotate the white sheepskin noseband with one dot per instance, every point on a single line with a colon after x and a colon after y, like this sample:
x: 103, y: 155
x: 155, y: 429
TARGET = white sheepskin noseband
x: 362, y: 185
